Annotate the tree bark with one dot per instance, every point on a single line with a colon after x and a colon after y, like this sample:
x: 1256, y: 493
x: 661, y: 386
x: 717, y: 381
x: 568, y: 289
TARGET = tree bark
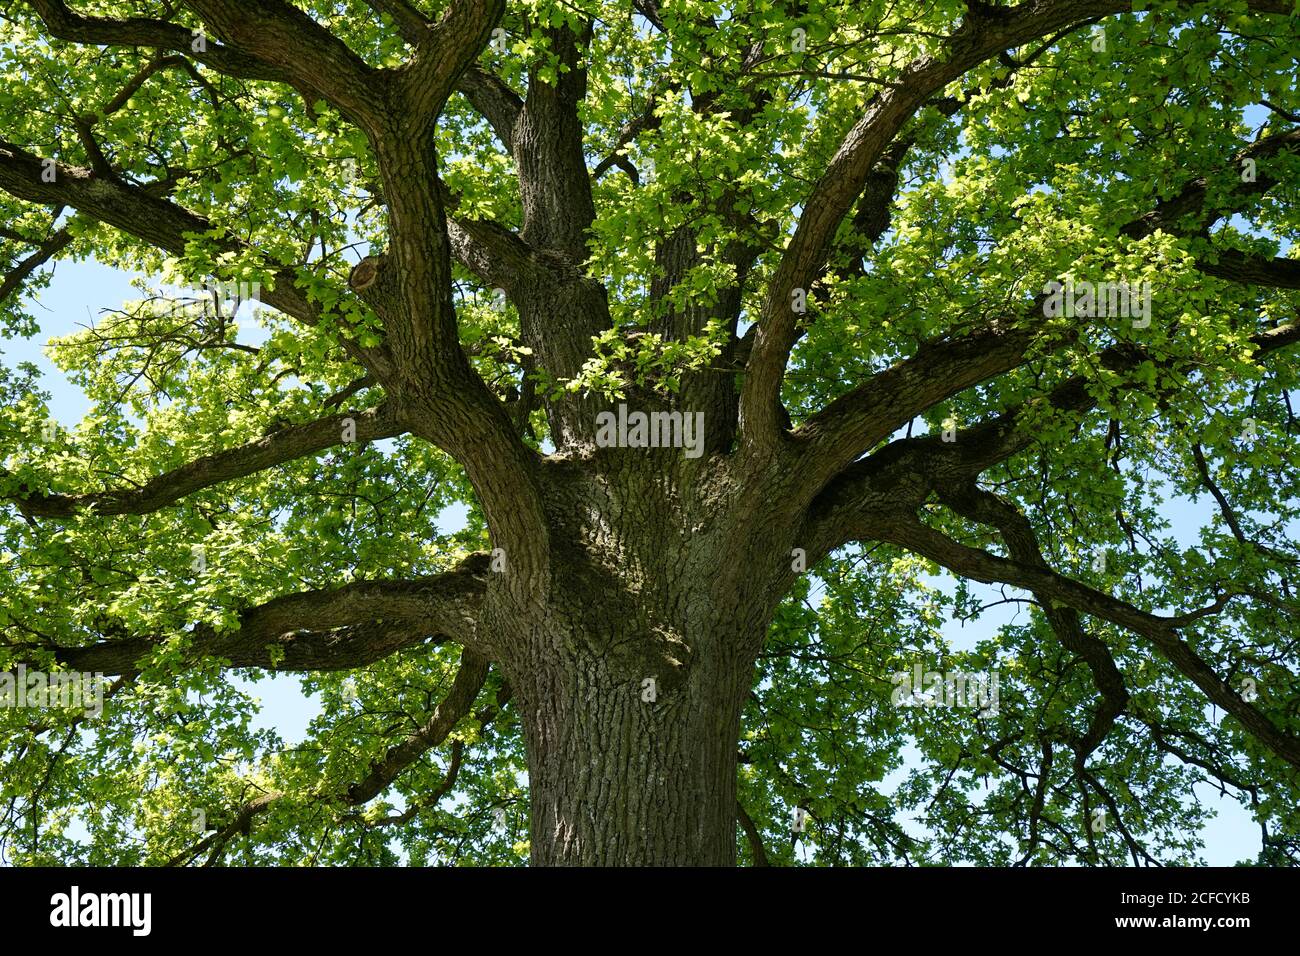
x: 627, y: 770
x: 631, y: 670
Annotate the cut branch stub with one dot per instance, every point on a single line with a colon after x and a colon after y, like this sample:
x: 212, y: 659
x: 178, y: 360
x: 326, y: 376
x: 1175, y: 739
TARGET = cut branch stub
x: 365, y: 272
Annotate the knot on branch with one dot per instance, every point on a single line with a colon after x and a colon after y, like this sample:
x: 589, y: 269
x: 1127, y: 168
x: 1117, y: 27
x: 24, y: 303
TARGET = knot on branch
x: 977, y: 10
x: 366, y: 272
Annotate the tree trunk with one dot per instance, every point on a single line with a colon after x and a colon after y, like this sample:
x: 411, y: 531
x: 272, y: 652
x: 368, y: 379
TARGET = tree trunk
x: 629, y: 767
x: 632, y: 660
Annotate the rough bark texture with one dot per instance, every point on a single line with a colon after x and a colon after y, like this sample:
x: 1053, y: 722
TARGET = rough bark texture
x: 631, y: 674
x: 638, y: 584
x: 618, y: 779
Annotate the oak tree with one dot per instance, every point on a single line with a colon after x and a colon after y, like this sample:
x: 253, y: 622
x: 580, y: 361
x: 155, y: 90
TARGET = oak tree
x: 895, y: 305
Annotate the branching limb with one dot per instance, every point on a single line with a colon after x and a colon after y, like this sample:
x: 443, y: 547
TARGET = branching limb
x: 298, y: 48
x: 135, y: 210
x: 277, y: 448
x: 64, y: 24
x: 1161, y: 632
x: 1022, y: 545
x: 494, y: 100
x: 487, y: 93
x: 860, y: 418
x: 340, y: 629
x: 442, y: 56
x: 905, y: 472
x: 979, y: 38
x: 22, y: 271
x: 465, y: 688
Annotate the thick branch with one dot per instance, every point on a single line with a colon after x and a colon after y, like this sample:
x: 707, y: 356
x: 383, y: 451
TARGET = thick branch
x: 341, y: 629
x: 1188, y: 212
x: 857, y: 420
x: 981, y: 36
x: 494, y: 100
x: 907, y: 471
x: 437, y: 394
x: 133, y: 209
x: 495, y: 254
x: 865, y: 416
x: 1162, y: 632
x: 277, y: 448
x: 487, y: 93
x: 64, y: 24
x: 443, y: 57
x: 1236, y: 266
x: 554, y: 184
x: 985, y: 33
x: 301, y: 50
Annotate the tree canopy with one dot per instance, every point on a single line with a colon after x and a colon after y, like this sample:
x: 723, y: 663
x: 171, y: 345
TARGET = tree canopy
x: 980, y: 290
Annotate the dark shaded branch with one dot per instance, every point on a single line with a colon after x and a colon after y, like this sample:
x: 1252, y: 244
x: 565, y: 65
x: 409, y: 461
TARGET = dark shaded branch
x: 218, y: 840
x: 135, y: 210
x: 340, y: 629
x: 650, y: 10
x: 442, y: 59
x: 412, y: 25
x: 464, y: 689
x: 494, y: 100
x: 1188, y: 212
x: 905, y: 472
x: 298, y: 48
x: 752, y: 835
x: 1161, y: 632
x: 981, y: 36
x: 1022, y: 545
x: 467, y: 684
x: 1236, y: 266
x: 645, y: 120
x: 22, y: 271
x: 386, y: 770
x: 64, y: 24
x: 277, y: 448
x: 343, y: 394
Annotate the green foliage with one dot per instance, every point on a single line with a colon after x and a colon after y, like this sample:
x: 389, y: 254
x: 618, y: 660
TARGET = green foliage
x: 1031, y: 180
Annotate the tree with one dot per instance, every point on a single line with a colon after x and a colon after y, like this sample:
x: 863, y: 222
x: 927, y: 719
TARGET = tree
x: 736, y: 327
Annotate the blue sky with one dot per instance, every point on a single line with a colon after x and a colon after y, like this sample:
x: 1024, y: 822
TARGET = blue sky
x: 81, y: 289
